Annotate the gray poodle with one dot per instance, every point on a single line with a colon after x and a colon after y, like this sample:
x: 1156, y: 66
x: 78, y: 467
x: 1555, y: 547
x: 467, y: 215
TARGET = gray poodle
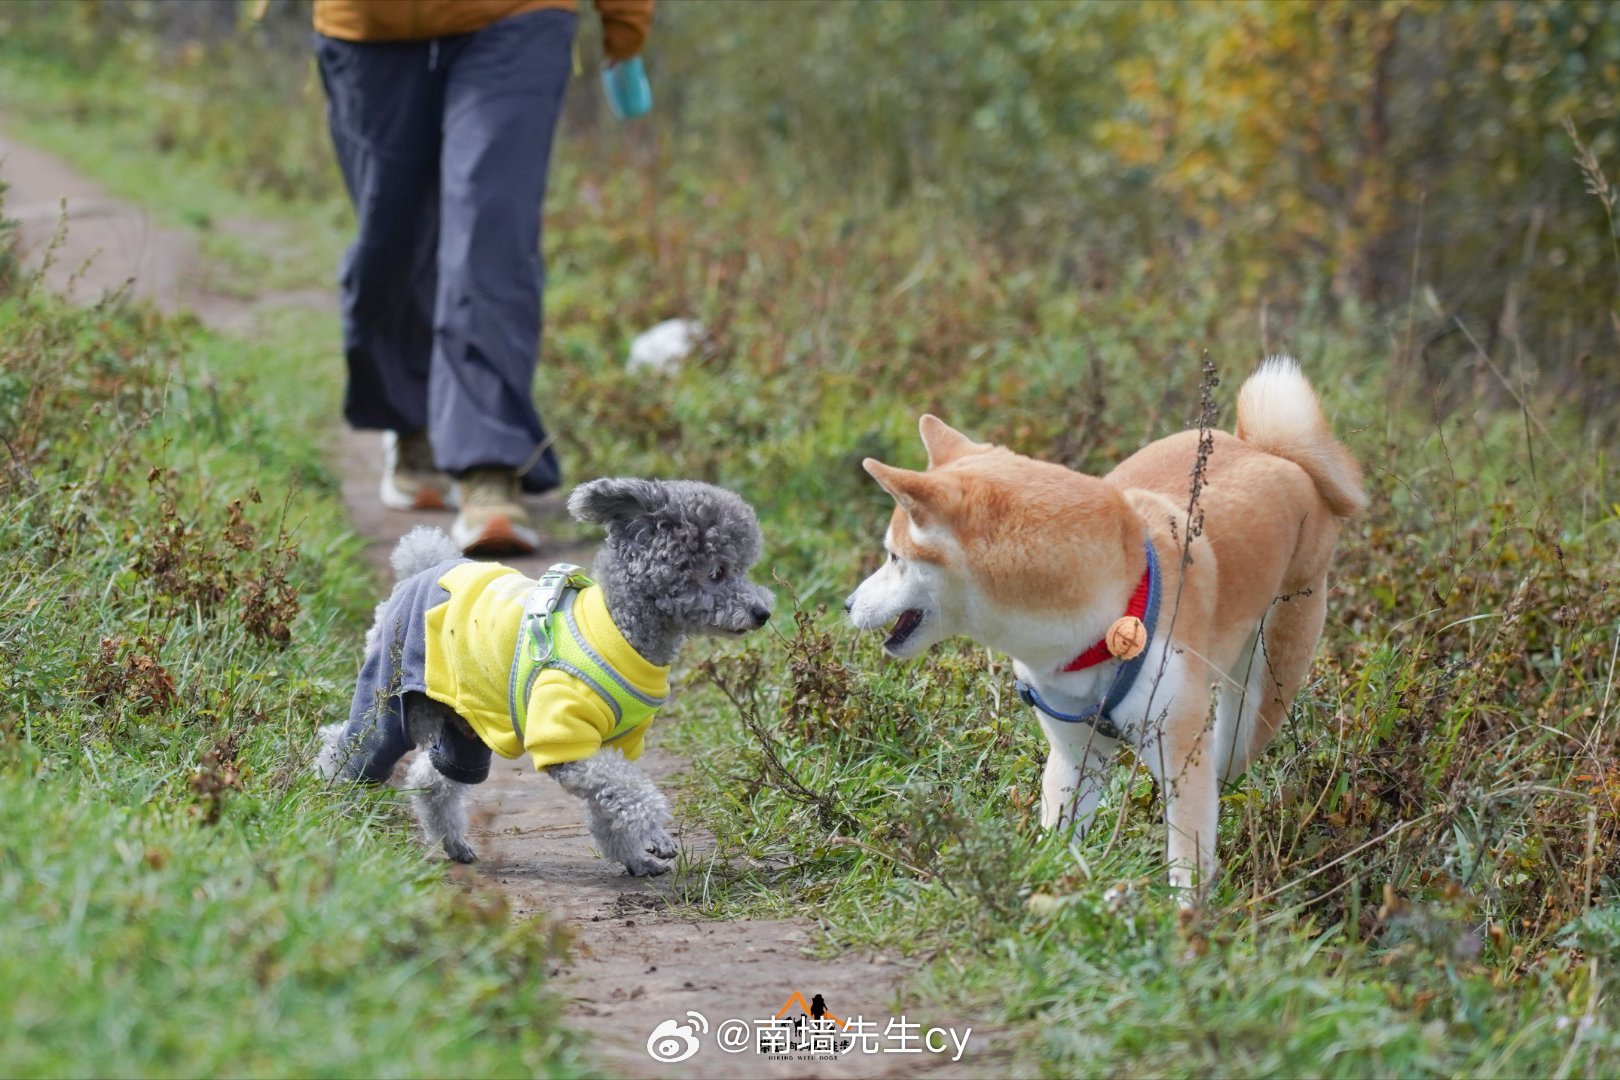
x: 468, y: 659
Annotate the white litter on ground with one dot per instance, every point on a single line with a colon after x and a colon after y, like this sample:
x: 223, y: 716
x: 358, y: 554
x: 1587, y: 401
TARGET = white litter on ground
x: 664, y: 347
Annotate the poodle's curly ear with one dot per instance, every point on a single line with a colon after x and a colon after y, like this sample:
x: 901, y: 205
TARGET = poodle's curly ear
x: 615, y: 501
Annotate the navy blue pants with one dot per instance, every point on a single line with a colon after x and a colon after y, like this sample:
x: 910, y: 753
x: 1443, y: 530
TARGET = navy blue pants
x: 444, y: 147
x: 377, y: 736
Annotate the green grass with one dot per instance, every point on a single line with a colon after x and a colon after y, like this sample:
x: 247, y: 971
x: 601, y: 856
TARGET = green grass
x: 180, y: 607
x: 1405, y: 865
x: 1422, y: 871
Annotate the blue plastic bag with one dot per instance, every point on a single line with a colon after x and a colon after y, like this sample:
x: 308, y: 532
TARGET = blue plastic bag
x: 629, y: 94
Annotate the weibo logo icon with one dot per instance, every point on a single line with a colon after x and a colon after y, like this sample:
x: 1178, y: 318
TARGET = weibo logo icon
x: 673, y: 1041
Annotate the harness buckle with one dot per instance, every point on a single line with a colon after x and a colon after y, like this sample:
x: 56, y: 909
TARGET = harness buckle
x: 542, y: 601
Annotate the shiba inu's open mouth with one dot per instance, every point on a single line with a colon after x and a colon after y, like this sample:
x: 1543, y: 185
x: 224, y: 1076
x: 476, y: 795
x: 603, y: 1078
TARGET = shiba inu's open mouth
x: 904, y: 627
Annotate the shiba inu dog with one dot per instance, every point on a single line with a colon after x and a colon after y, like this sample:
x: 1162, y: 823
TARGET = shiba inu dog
x: 1134, y: 612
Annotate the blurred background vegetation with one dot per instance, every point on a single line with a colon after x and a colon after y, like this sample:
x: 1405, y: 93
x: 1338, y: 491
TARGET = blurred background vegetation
x: 1364, y: 155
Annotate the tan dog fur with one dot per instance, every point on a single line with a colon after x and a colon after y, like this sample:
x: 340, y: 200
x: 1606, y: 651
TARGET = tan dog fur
x: 1037, y: 561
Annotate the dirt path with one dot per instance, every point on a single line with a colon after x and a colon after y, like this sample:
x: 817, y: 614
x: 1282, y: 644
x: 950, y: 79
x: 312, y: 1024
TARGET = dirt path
x: 637, y: 958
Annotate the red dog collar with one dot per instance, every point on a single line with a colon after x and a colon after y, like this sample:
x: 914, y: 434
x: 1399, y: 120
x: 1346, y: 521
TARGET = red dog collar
x: 1100, y: 653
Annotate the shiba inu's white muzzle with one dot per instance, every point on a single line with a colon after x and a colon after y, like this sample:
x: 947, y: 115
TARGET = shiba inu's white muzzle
x: 905, y: 594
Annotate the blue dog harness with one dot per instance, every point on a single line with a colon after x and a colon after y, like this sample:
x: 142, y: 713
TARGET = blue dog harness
x: 1099, y: 716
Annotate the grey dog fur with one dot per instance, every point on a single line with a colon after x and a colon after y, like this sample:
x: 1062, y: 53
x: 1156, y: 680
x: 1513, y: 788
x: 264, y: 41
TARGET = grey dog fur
x: 674, y: 563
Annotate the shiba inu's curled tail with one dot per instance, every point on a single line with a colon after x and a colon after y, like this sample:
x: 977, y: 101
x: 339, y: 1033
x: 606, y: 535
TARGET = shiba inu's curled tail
x: 1277, y: 412
x: 423, y: 548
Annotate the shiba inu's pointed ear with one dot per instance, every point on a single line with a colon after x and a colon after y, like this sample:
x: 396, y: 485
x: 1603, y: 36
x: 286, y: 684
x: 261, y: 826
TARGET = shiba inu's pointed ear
x: 915, y: 492
x: 944, y: 443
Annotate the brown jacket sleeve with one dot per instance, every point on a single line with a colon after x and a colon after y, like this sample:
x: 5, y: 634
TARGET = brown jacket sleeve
x: 625, y: 24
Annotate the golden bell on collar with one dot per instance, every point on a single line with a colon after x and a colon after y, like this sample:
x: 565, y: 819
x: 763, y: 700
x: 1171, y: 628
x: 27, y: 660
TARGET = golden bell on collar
x: 1126, y: 638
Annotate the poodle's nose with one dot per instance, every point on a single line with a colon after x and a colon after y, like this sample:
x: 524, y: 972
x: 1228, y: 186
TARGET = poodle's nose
x: 849, y: 603
x: 761, y: 615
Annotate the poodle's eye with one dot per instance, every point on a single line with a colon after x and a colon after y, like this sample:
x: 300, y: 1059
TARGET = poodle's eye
x: 717, y: 574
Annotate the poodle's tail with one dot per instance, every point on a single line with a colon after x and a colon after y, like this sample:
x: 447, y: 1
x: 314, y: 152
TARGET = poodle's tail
x: 423, y: 548
x: 1277, y: 412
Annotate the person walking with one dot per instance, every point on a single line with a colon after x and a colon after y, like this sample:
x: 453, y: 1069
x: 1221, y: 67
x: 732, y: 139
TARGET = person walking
x: 442, y: 114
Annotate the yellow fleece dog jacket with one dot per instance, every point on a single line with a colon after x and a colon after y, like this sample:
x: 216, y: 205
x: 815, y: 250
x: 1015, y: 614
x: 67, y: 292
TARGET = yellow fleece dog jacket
x: 471, y: 641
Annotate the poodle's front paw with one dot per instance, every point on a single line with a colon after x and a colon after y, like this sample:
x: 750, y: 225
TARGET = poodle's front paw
x: 459, y: 850
x: 660, y: 844
x: 639, y: 866
x: 655, y: 855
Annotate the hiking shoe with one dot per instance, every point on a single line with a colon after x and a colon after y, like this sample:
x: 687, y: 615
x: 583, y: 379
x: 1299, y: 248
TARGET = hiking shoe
x: 492, y: 519
x: 410, y: 480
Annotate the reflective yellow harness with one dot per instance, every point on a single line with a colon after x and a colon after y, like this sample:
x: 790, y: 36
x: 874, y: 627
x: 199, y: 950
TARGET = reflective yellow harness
x: 550, y: 638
